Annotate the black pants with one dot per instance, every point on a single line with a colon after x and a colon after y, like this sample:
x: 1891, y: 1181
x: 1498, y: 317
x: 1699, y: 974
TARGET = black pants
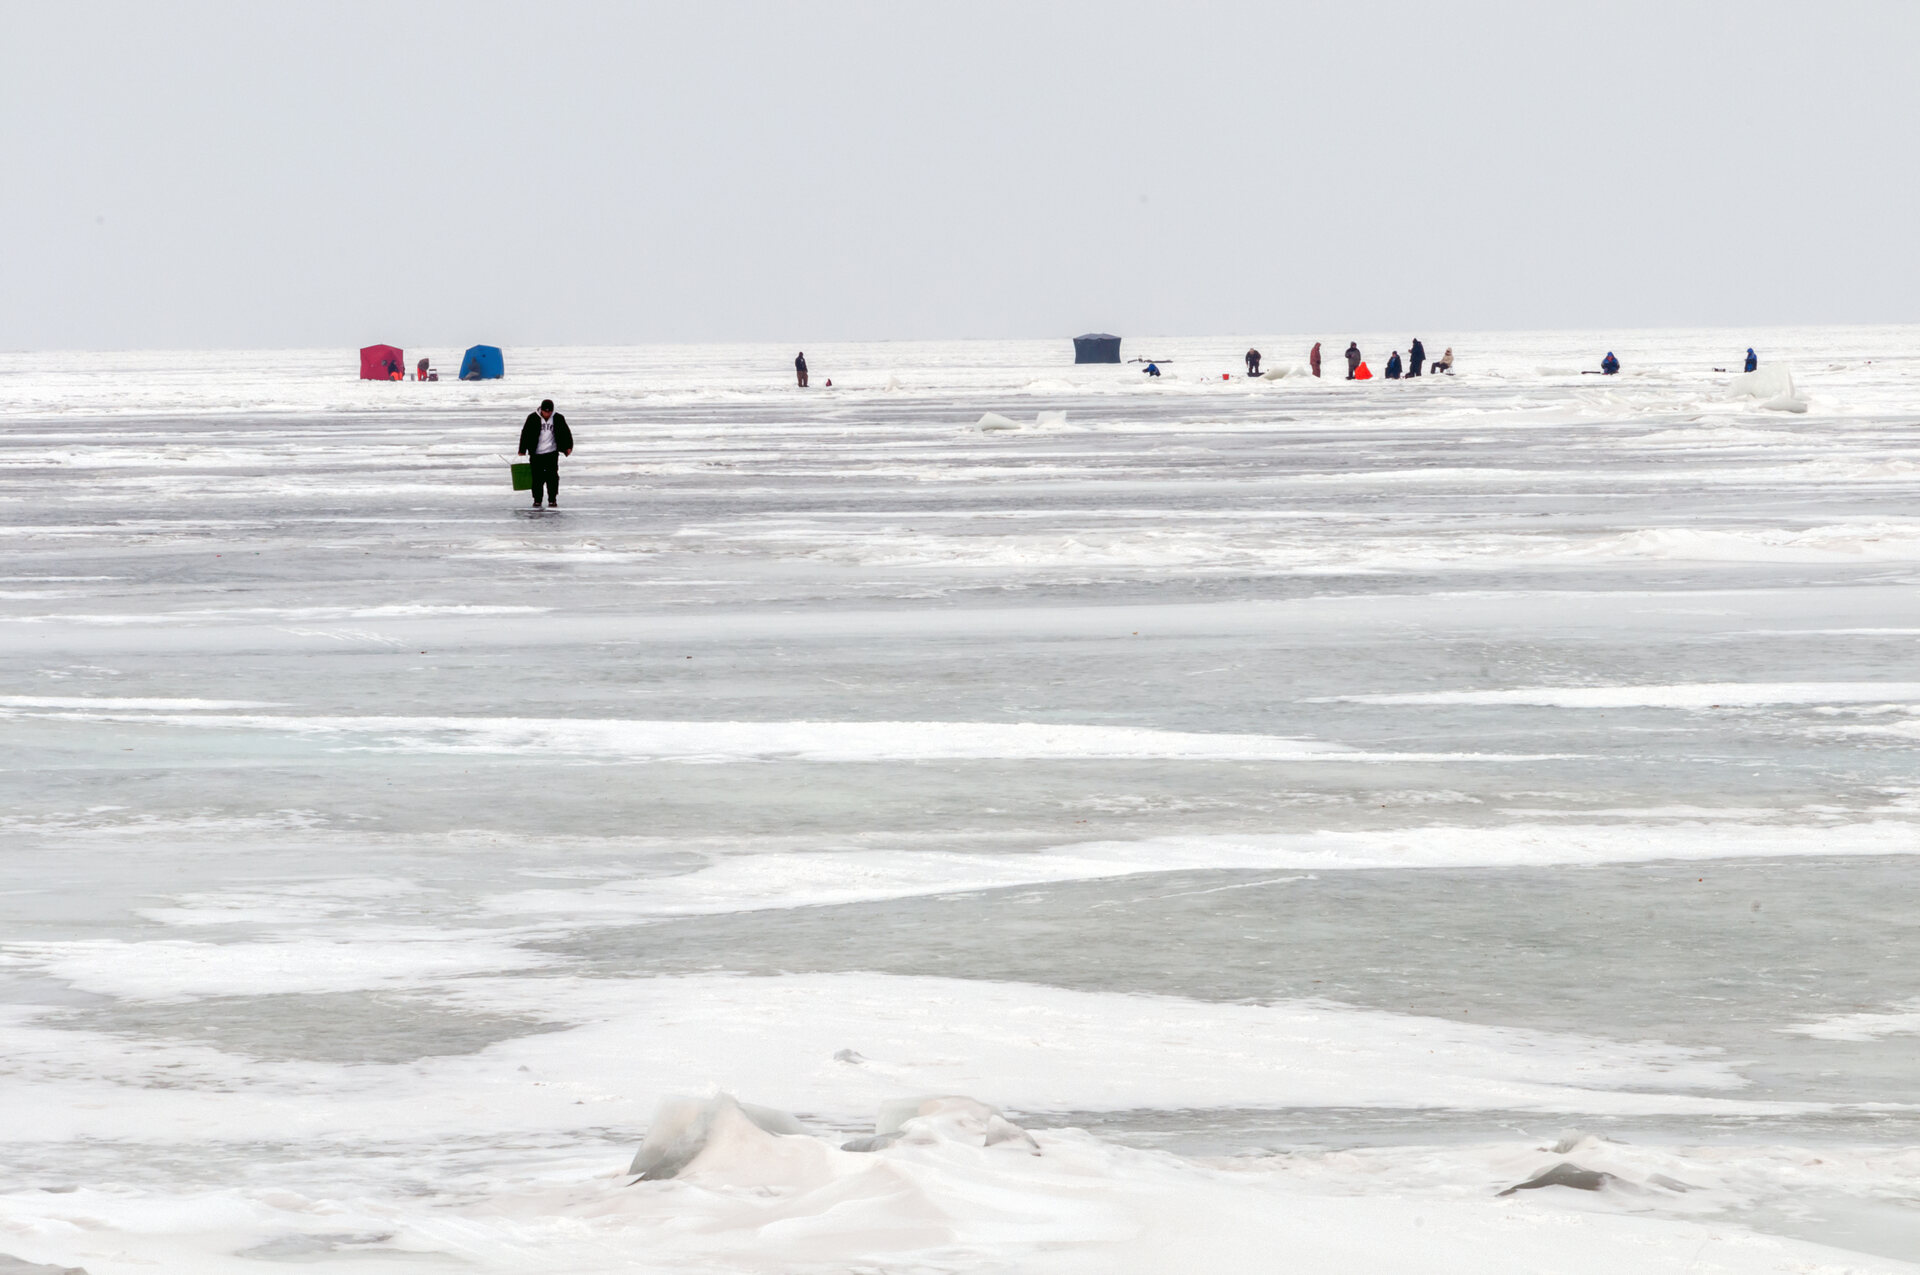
x: 546, y: 472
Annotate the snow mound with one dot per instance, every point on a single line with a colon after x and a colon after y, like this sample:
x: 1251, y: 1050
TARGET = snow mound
x: 720, y: 1141
x: 1773, y: 385
x: 1282, y: 373
x: 925, y: 1121
x: 716, y: 1133
x: 995, y: 423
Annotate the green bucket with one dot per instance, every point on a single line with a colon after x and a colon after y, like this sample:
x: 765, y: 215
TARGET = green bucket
x: 522, y: 475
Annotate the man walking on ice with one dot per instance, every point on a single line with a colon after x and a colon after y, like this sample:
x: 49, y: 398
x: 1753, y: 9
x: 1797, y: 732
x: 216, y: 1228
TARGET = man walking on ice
x: 543, y: 440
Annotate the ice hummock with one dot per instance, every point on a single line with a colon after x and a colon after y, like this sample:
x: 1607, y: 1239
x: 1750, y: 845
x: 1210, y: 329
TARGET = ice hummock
x: 1773, y: 385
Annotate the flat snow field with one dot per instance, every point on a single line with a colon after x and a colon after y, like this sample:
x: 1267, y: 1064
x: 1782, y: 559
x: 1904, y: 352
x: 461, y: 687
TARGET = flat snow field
x: 1308, y: 809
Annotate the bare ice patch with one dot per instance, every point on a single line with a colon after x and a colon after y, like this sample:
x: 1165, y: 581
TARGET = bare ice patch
x: 1680, y: 695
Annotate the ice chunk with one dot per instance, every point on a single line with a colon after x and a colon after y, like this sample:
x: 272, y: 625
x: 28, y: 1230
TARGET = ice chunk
x: 684, y: 1129
x: 948, y: 1119
x: 1567, y: 1174
x: 1050, y: 420
x: 1283, y: 372
x: 1773, y: 385
x: 993, y: 421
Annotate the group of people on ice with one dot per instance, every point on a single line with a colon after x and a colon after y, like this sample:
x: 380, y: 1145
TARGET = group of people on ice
x: 1357, y: 370
x: 1415, y: 365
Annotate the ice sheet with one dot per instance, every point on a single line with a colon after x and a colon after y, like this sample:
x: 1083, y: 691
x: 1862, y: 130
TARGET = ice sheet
x: 1297, y: 801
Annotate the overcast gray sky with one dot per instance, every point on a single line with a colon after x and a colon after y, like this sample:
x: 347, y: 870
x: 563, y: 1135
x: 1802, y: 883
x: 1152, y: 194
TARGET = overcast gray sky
x: 277, y: 174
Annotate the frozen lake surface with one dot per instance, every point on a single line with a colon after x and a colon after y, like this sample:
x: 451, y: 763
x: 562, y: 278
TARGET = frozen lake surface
x: 1307, y: 808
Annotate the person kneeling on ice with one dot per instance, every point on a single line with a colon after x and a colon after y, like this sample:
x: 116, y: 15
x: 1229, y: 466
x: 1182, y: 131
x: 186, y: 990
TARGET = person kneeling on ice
x: 1151, y: 369
x: 1609, y: 365
x: 544, y: 439
x: 1752, y: 362
x: 1393, y: 367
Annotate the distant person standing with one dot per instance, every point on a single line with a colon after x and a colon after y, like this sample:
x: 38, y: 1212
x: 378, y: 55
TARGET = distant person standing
x: 1353, y: 358
x: 1416, y: 355
x: 1253, y: 362
x: 800, y: 368
x: 1313, y: 359
x: 1393, y: 367
x: 1752, y: 362
x: 544, y: 439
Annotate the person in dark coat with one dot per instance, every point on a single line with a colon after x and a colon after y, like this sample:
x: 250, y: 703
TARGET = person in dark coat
x: 1416, y: 355
x: 1313, y: 359
x: 1752, y: 362
x: 800, y: 368
x: 1253, y: 362
x: 1353, y: 358
x: 1393, y: 367
x: 544, y: 439
x: 1609, y: 365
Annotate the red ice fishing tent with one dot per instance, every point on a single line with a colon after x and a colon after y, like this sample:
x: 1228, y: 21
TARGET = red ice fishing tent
x: 382, y: 363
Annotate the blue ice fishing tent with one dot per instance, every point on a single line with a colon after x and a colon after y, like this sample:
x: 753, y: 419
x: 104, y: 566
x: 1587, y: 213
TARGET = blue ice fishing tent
x: 1096, y: 347
x: 483, y: 363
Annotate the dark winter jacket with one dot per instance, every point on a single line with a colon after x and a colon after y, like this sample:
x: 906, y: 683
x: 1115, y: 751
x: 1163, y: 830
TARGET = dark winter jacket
x: 1609, y: 365
x: 1353, y: 356
x: 1393, y: 367
x: 1416, y: 354
x: 530, y: 434
x: 1752, y: 362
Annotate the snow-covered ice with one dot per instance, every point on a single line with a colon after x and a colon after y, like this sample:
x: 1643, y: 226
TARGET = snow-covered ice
x: 1172, y: 824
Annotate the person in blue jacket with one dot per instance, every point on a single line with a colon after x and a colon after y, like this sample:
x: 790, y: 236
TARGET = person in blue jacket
x: 1752, y: 362
x: 1151, y: 369
x: 1393, y: 367
x: 1609, y: 365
